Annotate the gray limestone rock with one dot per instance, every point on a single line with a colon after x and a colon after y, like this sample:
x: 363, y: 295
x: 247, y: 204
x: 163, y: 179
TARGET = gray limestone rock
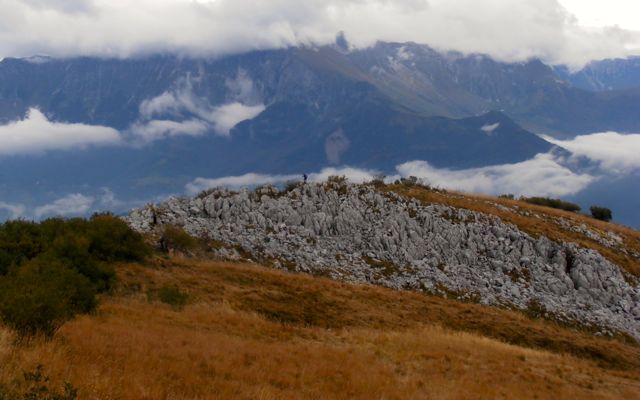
x: 358, y: 234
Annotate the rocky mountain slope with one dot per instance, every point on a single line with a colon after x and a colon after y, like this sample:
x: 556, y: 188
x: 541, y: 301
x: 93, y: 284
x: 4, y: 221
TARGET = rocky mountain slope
x: 611, y: 74
x: 364, y: 233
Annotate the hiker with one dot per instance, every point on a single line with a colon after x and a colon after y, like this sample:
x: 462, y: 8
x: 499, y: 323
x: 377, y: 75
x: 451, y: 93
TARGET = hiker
x: 305, y: 177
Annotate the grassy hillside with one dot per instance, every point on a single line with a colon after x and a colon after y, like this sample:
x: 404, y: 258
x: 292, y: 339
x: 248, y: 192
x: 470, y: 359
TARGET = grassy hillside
x: 252, y: 333
x: 557, y: 225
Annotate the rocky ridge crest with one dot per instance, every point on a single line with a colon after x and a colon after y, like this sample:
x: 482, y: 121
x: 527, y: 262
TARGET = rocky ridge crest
x: 357, y: 233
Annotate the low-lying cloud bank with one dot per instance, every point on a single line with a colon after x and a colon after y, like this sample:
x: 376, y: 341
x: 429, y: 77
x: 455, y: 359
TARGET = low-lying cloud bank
x: 36, y: 134
x: 354, y: 175
x: 178, y: 112
x: 511, y: 30
x: 540, y: 176
x: 70, y: 205
x: 543, y: 175
x: 615, y: 152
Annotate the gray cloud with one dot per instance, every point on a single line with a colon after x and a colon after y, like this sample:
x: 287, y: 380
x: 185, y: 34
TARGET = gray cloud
x: 65, y: 6
x: 507, y: 29
x: 150, y: 131
x: 335, y: 145
x: 37, y: 134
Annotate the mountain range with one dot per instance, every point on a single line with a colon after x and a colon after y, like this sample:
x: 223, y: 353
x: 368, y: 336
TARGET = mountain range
x: 167, y: 120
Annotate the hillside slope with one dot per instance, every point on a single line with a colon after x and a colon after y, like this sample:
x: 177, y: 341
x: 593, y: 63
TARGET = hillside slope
x: 414, y: 238
x: 253, y: 333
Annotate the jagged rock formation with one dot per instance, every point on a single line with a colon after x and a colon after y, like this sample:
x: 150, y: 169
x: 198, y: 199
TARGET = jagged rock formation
x: 359, y: 234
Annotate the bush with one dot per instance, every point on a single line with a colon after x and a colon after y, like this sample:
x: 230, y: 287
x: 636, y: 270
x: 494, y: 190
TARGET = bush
x: 378, y: 181
x: 111, y: 240
x: 87, y: 246
x: 410, y: 181
x: 73, y: 251
x: 51, y: 271
x: 601, y: 213
x: 173, y: 296
x: 175, y: 238
x: 39, y: 297
x: 553, y: 203
x: 338, y: 180
x: 337, y: 183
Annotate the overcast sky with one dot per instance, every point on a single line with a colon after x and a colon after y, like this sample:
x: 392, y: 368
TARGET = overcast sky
x: 559, y: 31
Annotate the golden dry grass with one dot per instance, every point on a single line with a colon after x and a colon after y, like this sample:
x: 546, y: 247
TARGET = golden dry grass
x: 254, y: 333
x: 538, y: 221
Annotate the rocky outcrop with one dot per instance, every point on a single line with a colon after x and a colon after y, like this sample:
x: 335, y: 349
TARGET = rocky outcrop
x: 356, y: 233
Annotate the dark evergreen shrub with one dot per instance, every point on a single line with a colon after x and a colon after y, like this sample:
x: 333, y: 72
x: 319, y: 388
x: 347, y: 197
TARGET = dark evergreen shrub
x: 553, y: 203
x: 601, y: 213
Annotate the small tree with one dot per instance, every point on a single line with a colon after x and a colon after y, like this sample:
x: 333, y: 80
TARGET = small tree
x: 601, y: 213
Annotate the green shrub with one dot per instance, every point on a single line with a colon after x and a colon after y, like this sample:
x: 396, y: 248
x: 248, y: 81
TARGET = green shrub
x: 601, y: 213
x: 553, y: 203
x: 73, y: 251
x: 51, y: 271
x: 111, y: 239
x: 175, y: 238
x: 37, y: 298
x: 173, y: 296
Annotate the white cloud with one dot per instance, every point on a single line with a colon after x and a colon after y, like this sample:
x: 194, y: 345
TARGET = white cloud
x: 354, y: 175
x: 506, y: 29
x: 204, y: 118
x: 13, y: 210
x: 542, y: 176
x: 37, y: 134
x: 73, y: 204
x: 246, y: 180
x: 618, y: 153
x: 225, y: 117
x: 488, y: 129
